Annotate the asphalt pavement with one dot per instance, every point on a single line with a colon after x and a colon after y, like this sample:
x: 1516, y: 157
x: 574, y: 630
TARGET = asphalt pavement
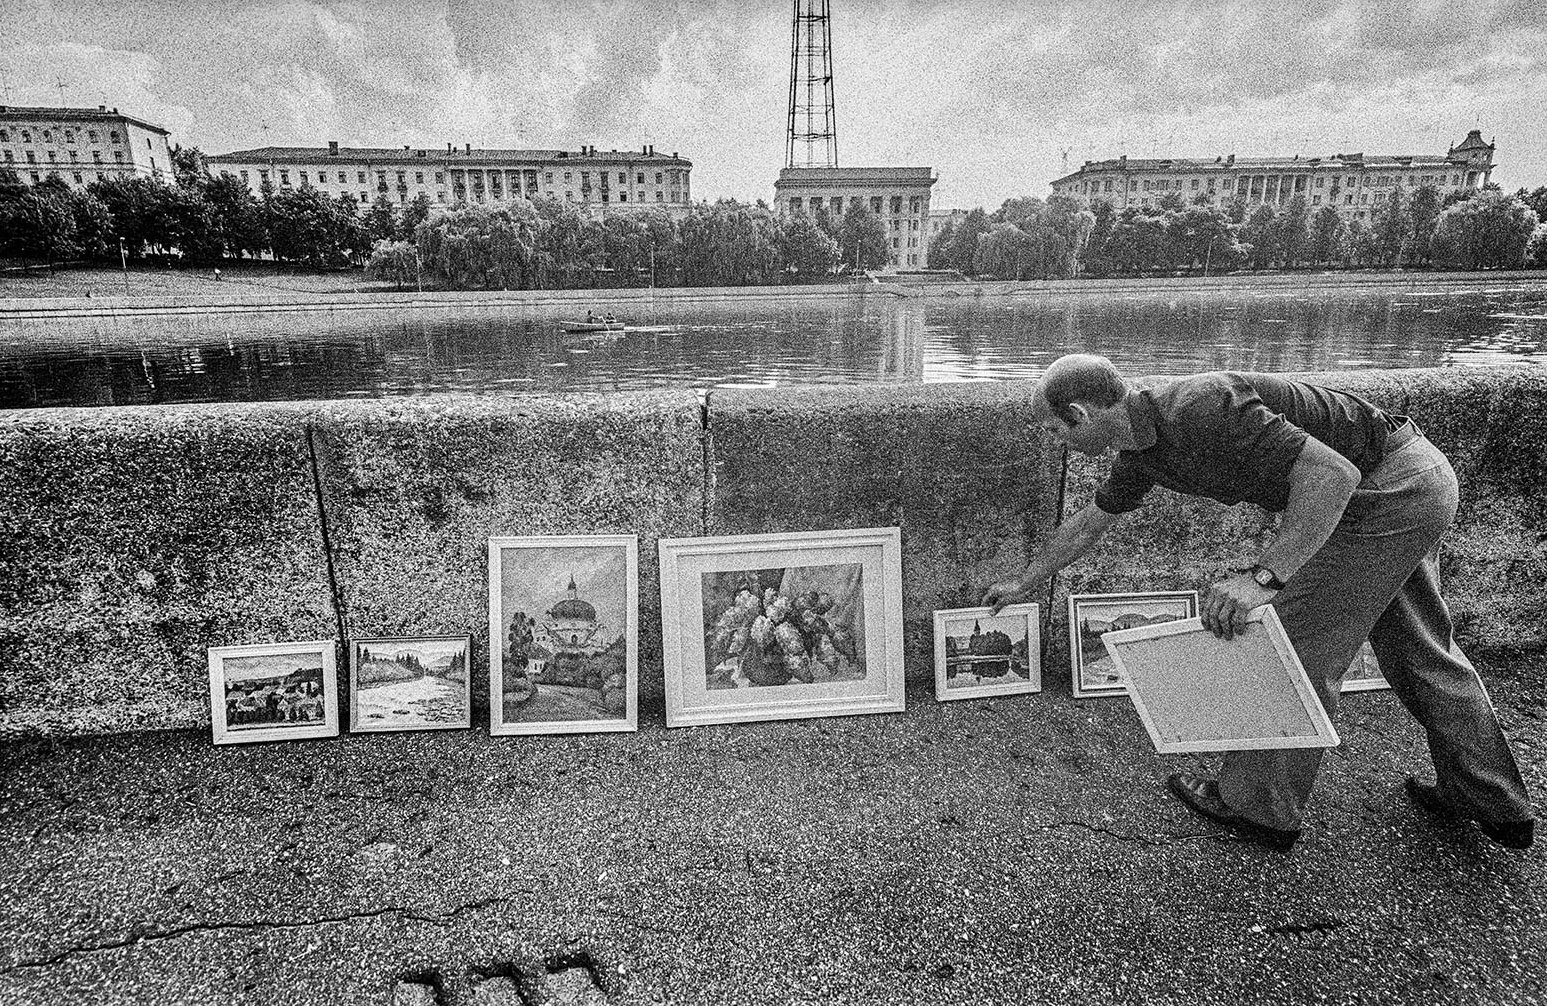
x: 1014, y: 850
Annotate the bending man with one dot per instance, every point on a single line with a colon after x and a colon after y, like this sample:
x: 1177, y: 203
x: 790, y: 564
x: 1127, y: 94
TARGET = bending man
x: 1364, y: 498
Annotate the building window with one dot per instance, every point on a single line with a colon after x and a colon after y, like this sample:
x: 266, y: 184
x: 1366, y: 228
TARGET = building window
x: 897, y: 204
x: 5, y: 135
x: 52, y: 157
x: 342, y: 179
x: 78, y: 179
x: 1348, y: 200
x: 657, y: 178
x: 641, y: 178
x: 92, y: 135
x: 896, y: 242
x: 73, y: 157
x: 244, y: 177
x: 913, y: 225
x: 263, y: 174
x: 48, y: 136
x: 113, y: 135
x: 796, y: 204
x: 1455, y: 179
x: 1316, y: 200
x: 566, y: 177
x: 548, y: 177
x: 439, y: 177
x: 26, y: 136
x: 9, y: 157
x: 1107, y: 185
x: 69, y: 136
x: 660, y: 196
x: 622, y: 178
x: 622, y: 196
x: 302, y: 176
x: 1364, y: 197
x: 284, y: 177
x: 914, y: 204
x: 419, y: 177
x: 1195, y: 185
x: 440, y: 197
x: 32, y: 158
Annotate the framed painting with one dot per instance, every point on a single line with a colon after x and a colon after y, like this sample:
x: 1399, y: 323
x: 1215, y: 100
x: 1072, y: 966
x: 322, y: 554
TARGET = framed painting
x: 1196, y: 692
x: 409, y: 683
x: 563, y: 634
x: 782, y: 626
x: 1090, y: 615
x: 1364, y: 673
x: 273, y: 692
x: 980, y: 654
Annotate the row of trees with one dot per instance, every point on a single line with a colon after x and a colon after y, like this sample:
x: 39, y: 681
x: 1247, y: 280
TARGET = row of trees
x: 205, y: 220
x: 1028, y: 238
x: 547, y: 243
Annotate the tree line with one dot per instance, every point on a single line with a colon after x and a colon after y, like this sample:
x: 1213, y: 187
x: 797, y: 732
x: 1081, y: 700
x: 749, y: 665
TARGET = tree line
x: 204, y: 219
x: 1029, y: 238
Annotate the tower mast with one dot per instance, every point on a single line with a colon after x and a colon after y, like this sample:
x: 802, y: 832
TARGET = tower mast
x: 812, y: 123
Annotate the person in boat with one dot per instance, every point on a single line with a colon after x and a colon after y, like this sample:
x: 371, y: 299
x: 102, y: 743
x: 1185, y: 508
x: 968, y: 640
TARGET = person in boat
x: 590, y: 317
x: 609, y: 320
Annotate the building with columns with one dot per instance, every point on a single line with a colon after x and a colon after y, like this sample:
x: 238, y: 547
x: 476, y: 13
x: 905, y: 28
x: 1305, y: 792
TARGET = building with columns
x: 1354, y: 184
x: 899, y: 196
x: 602, y: 181
x: 82, y: 145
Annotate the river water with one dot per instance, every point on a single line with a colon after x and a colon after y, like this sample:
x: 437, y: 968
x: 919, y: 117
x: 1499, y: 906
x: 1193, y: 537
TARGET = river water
x: 857, y: 340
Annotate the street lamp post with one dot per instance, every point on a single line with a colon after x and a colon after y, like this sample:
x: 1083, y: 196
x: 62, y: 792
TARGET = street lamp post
x: 123, y: 261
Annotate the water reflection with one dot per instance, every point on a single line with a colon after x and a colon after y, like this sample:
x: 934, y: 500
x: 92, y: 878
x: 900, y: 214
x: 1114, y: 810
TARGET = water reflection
x: 862, y: 339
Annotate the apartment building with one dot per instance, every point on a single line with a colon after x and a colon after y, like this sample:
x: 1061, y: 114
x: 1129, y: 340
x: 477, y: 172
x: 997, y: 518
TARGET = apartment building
x: 1355, y: 184
x: 82, y: 145
x: 603, y: 181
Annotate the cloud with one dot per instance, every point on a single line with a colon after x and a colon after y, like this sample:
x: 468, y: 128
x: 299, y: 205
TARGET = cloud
x: 989, y: 93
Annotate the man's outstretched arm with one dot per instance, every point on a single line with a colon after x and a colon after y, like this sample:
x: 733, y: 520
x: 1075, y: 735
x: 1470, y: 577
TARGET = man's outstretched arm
x: 1073, y: 538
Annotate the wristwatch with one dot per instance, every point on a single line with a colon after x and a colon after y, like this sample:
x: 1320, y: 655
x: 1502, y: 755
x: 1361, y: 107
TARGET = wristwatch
x: 1265, y: 577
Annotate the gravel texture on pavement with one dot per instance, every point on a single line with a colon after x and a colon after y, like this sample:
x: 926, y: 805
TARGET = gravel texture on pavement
x: 1011, y: 850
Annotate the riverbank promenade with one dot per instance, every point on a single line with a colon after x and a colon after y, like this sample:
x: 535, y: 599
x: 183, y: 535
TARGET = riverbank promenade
x: 1018, y: 850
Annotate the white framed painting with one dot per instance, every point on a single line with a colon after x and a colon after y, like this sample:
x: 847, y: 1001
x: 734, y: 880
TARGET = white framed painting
x: 782, y: 626
x: 1196, y: 692
x: 273, y: 691
x: 409, y: 683
x: 563, y: 634
x: 979, y: 654
x: 1364, y: 673
x: 1093, y: 671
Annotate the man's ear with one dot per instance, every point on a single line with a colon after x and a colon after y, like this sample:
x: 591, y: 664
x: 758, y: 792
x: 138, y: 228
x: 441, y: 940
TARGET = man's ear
x: 1078, y: 413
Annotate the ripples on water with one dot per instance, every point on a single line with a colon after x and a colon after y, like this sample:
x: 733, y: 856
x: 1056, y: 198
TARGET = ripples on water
x: 858, y: 340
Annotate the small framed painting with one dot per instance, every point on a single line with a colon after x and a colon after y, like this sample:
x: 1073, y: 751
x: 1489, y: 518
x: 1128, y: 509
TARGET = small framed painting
x: 273, y: 692
x: 980, y: 654
x: 563, y: 634
x: 1090, y: 615
x: 1197, y: 692
x: 782, y: 626
x: 409, y: 683
x: 1364, y: 674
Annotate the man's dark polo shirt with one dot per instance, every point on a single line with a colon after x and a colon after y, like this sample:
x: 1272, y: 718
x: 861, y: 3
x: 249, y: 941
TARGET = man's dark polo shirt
x: 1234, y: 438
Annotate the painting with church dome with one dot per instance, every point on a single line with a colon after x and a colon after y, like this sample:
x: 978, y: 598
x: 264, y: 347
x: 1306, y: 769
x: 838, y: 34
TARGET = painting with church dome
x: 562, y: 657
x: 980, y: 654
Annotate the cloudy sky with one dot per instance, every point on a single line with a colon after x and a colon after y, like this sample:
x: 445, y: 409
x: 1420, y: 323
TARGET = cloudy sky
x: 989, y: 94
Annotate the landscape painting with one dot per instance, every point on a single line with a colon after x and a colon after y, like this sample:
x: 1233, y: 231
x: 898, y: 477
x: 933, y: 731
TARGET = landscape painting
x: 1090, y: 615
x: 980, y: 654
x: 563, y: 636
x: 782, y: 626
x: 409, y: 683
x: 272, y: 691
x: 769, y: 627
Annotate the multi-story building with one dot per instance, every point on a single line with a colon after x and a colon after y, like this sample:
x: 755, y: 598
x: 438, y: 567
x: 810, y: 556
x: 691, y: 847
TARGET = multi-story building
x: 939, y: 220
x: 601, y: 180
x: 1355, y: 184
x: 81, y: 145
x: 899, y: 196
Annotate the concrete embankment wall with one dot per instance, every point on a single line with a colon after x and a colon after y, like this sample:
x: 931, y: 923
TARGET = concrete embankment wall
x: 134, y: 538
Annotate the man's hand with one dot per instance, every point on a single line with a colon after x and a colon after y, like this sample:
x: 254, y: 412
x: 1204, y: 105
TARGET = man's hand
x: 1008, y: 592
x: 1227, y: 603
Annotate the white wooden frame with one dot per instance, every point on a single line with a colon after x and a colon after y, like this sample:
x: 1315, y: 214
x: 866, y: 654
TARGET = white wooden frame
x: 1147, y: 685
x: 1363, y: 663
x: 224, y: 733
x: 630, y: 720
x: 1076, y: 643
x: 357, y: 725
x: 689, y: 702
x: 1032, y: 616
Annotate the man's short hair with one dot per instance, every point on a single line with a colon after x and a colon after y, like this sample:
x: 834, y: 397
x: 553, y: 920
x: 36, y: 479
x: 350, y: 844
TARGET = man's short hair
x: 1093, y: 381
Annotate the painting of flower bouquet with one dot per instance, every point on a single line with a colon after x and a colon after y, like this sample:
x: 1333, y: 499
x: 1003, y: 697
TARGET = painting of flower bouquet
x: 789, y: 625
x: 779, y: 626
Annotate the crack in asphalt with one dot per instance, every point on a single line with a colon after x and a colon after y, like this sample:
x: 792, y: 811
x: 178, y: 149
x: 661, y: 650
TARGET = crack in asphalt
x: 1136, y: 839
x: 264, y: 925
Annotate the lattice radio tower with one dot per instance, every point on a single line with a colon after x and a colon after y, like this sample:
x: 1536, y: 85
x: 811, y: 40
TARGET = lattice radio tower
x: 813, y: 124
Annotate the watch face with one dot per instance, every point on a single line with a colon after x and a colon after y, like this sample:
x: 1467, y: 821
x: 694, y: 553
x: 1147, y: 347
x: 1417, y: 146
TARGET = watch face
x: 1264, y: 577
